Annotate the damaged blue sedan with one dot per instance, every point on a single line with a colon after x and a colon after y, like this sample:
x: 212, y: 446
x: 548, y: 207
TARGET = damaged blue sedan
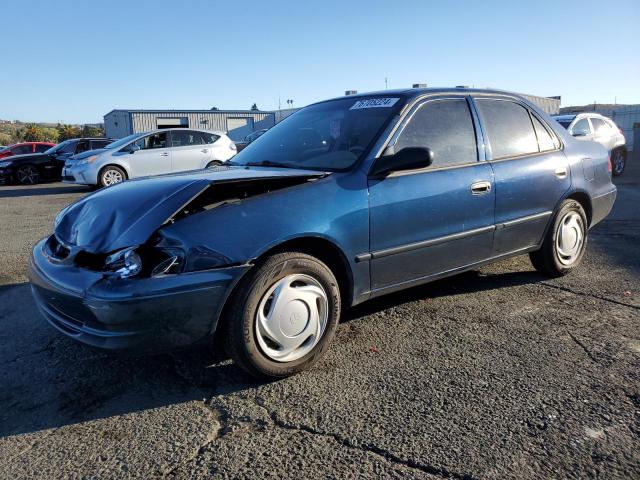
x: 346, y: 200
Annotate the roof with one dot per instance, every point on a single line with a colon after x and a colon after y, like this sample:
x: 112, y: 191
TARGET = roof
x: 418, y: 92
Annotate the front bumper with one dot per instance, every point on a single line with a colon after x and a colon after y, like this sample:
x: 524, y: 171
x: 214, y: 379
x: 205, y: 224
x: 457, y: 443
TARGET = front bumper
x: 77, y: 174
x: 144, y: 315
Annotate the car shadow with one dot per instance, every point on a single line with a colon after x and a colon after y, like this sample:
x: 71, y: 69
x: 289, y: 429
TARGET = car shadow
x: 48, y: 380
x: 468, y: 282
x: 30, y: 191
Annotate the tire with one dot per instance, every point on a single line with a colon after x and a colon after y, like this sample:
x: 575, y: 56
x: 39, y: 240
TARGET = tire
x: 27, y: 175
x: 214, y: 164
x: 565, y: 242
x: 110, y: 174
x: 295, y: 281
x: 618, y: 161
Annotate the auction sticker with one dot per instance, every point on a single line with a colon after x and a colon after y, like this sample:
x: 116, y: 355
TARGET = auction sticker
x: 374, y: 103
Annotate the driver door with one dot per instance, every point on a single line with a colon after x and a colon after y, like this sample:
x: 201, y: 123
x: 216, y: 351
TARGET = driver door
x: 435, y: 219
x: 150, y: 155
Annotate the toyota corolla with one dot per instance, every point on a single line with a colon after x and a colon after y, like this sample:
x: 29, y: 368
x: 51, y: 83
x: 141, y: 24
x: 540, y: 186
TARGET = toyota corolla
x: 344, y: 201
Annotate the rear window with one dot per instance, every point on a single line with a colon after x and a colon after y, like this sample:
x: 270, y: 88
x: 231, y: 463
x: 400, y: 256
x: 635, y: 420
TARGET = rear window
x: 509, y: 128
x: 210, y: 137
x: 599, y: 126
x: 546, y: 141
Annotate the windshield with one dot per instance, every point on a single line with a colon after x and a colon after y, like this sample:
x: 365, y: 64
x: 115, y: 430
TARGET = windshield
x: 123, y: 141
x: 329, y: 136
x: 64, y: 147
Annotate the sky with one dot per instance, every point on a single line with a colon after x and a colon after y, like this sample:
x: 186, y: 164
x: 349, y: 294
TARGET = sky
x: 74, y: 61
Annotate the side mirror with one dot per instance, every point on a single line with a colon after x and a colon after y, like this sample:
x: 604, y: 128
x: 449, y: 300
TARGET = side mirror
x: 133, y: 148
x: 409, y: 158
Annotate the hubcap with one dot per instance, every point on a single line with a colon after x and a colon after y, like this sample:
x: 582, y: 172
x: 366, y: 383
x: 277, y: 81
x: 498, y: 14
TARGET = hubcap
x: 27, y: 175
x: 618, y: 162
x: 111, y: 177
x: 570, y: 238
x: 291, y: 317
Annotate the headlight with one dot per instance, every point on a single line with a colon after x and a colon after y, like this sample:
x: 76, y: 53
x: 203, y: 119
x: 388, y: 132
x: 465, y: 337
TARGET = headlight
x: 88, y: 160
x: 125, y: 263
x: 4, y: 164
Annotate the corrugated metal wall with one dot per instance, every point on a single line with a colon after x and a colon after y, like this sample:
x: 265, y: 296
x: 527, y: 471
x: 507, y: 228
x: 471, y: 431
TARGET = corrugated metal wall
x: 117, y: 122
x: 548, y: 104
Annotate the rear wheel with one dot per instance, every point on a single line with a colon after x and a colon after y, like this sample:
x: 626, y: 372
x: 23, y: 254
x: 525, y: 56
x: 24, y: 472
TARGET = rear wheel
x: 618, y: 161
x: 110, y: 175
x: 565, y: 242
x: 283, y: 315
x: 27, y: 175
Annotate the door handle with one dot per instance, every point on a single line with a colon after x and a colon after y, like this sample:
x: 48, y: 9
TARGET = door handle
x: 204, y: 150
x: 561, y: 172
x: 480, y: 188
x: 165, y: 154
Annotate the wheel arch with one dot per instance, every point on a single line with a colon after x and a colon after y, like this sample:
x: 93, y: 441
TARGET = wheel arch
x: 114, y: 164
x: 584, y: 200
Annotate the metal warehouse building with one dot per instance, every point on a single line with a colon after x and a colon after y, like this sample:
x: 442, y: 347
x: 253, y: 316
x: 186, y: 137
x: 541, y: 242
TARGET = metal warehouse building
x: 237, y: 123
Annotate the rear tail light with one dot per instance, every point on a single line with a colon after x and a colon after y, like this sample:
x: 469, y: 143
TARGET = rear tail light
x: 609, y: 165
x: 621, y: 130
x: 233, y: 147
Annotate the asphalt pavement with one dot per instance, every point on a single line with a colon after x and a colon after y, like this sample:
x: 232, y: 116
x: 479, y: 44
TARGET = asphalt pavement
x: 496, y: 373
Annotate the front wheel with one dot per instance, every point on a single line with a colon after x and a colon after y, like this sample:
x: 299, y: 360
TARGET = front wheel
x: 564, y: 245
x: 27, y: 175
x: 111, y: 175
x: 283, y: 315
x: 618, y: 161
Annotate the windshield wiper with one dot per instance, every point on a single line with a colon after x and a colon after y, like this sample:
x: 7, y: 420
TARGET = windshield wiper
x: 267, y: 163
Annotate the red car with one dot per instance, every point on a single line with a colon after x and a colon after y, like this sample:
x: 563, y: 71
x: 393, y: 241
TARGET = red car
x: 25, y: 148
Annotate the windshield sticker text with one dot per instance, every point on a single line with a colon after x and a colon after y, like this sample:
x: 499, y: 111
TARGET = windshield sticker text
x: 374, y: 103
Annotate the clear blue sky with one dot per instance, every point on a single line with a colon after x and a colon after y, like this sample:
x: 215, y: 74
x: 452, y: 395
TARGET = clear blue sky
x: 74, y: 61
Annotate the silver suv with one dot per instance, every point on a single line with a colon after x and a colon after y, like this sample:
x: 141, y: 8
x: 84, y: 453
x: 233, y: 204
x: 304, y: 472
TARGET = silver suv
x: 598, y: 128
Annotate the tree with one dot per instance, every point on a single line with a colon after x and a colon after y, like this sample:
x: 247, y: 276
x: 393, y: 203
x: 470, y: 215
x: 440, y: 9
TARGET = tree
x: 254, y: 107
x: 32, y: 133
x: 92, y: 131
x: 5, y: 139
x: 67, y: 131
x: 51, y: 134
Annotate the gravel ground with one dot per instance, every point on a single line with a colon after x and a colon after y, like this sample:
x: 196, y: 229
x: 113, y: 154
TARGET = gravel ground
x: 496, y: 373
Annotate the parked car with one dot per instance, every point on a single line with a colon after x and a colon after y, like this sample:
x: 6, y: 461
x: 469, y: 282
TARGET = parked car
x: 596, y: 127
x: 36, y: 167
x: 25, y: 148
x: 150, y: 153
x: 250, y: 138
x: 343, y: 201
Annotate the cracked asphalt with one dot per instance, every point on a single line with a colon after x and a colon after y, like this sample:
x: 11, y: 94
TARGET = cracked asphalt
x: 496, y: 373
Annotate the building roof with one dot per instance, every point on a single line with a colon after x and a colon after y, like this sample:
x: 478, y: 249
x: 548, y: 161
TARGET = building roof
x: 187, y: 110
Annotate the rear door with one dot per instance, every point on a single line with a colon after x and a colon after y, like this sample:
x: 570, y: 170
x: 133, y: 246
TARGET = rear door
x: 432, y: 220
x: 531, y: 172
x: 188, y: 150
x: 152, y: 157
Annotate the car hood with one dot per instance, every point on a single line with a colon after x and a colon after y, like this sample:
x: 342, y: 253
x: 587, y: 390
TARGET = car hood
x: 128, y: 214
x: 87, y: 154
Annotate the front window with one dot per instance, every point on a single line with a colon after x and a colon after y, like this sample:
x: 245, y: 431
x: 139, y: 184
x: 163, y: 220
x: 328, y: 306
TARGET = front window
x: 150, y: 142
x: 329, y: 136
